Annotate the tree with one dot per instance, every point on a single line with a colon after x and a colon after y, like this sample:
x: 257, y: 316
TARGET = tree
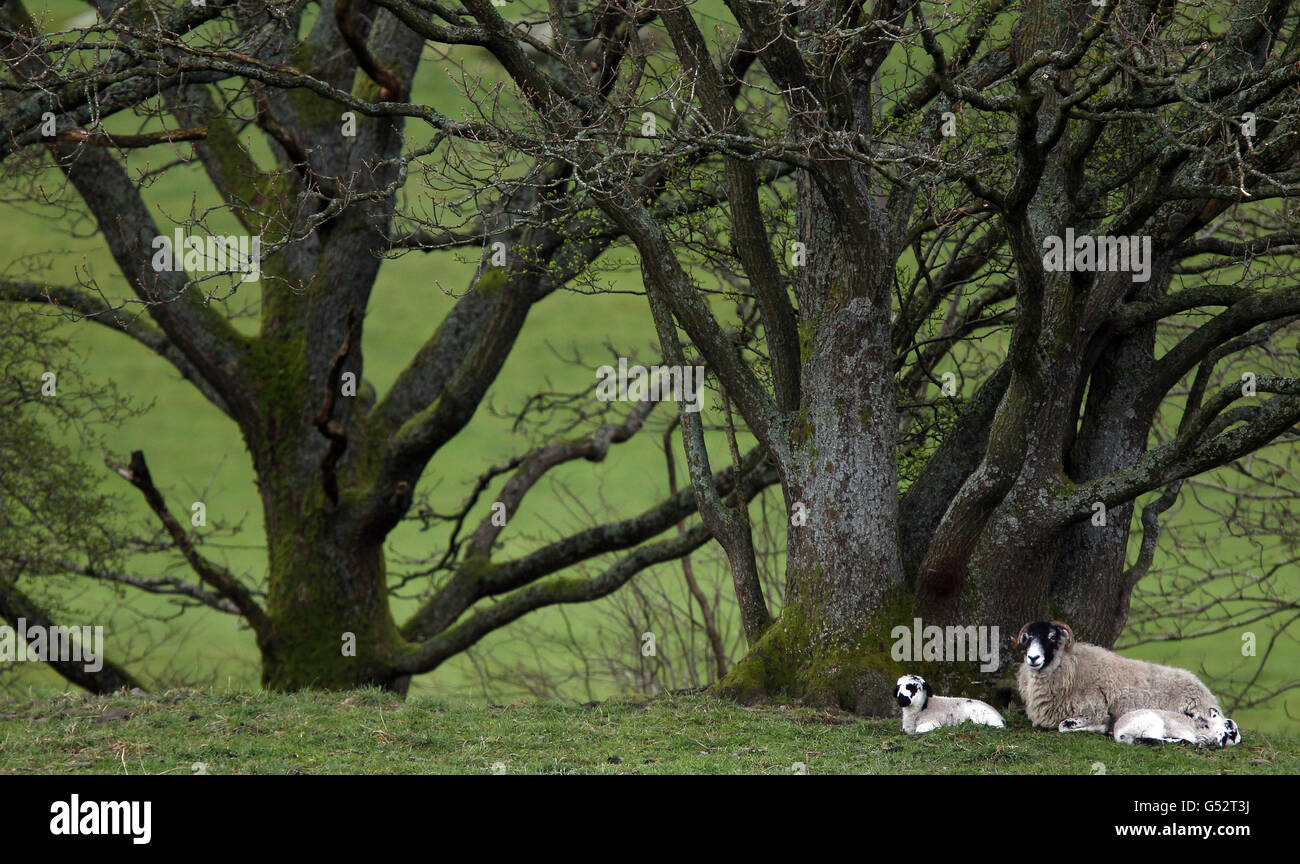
x: 1127, y: 121
x: 337, y: 465
x: 884, y: 190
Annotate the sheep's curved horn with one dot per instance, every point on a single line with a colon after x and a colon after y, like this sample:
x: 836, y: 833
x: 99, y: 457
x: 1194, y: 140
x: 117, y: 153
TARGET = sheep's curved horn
x: 1069, y: 634
x: 1015, y: 642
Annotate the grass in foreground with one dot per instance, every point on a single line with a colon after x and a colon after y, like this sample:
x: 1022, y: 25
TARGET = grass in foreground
x: 370, y: 732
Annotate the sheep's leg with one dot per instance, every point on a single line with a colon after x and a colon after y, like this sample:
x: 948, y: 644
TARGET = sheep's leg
x: 1083, y: 724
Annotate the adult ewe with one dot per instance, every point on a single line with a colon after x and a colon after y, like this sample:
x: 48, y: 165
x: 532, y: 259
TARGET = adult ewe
x: 1078, y: 687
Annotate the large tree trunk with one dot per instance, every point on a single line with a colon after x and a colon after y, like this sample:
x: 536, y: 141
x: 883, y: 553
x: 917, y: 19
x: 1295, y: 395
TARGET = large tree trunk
x: 844, y: 577
x: 329, y: 621
x: 328, y: 606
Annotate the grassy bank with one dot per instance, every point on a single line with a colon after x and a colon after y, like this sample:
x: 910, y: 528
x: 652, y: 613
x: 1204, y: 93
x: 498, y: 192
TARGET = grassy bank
x: 230, y: 732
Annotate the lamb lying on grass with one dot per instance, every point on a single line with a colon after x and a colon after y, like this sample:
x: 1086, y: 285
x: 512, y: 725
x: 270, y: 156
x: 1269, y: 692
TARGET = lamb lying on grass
x: 923, y: 711
x: 1152, y: 726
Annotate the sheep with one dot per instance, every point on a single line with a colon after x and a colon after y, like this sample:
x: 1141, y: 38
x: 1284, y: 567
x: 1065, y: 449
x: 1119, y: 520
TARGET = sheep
x: 1153, y: 726
x: 923, y: 711
x: 1079, y: 687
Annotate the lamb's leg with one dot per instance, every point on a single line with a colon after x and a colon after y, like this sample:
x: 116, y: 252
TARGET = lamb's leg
x: 1083, y: 724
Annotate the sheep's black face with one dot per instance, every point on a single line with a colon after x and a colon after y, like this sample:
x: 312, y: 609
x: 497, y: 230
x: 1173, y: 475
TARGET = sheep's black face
x: 1039, y: 642
x: 912, y: 690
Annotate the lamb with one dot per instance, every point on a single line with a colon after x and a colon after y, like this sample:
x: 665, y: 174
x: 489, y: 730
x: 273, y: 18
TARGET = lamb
x: 1152, y: 726
x: 1078, y: 687
x: 923, y: 711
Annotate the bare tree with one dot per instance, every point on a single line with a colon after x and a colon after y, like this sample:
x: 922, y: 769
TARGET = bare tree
x: 337, y: 464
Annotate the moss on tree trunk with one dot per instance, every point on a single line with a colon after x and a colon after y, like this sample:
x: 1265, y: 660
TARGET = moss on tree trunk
x: 331, y: 623
x: 797, y: 660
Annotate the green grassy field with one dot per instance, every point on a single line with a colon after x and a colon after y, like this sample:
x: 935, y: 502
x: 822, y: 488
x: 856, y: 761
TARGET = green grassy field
x: 197, y: 454
x: 240, y: 732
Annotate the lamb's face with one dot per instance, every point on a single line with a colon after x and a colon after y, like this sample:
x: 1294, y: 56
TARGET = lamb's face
x: 1217, y: 729
x: 1040, y: 642
x: 912, y: 690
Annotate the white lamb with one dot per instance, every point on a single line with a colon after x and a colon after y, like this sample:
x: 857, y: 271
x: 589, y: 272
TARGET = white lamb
x: 1078, y: 687
x: 923, y: 711
x: 1152, y: 726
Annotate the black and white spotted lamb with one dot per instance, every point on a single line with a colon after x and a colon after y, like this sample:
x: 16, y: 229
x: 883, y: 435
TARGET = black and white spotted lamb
x: 923, y: 711
x: 1152, y: 726
x: 1078, y: 687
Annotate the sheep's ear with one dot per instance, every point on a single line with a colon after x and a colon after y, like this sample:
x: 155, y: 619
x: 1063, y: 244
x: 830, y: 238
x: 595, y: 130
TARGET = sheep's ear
x: 929, y: 691
x: 1064, y: 634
